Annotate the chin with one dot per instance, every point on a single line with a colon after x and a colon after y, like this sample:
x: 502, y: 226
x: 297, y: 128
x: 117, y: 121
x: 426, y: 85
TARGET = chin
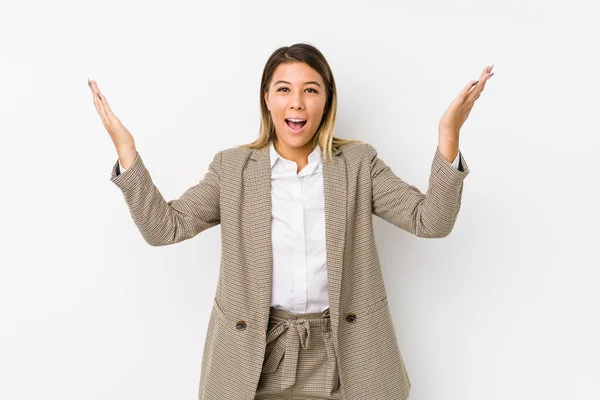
x: 296, y: 140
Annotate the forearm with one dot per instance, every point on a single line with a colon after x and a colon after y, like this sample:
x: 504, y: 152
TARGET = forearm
x: 430, y: 215
x: 164, y: 222
x: 448, y: 145
x: 127, y: 155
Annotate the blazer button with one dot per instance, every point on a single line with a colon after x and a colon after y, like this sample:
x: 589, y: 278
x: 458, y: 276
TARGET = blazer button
x: 350, y: 317
x: 241, y: 325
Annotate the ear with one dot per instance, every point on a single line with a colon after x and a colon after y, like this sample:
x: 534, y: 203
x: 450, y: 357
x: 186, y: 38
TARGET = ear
x: 267, y: 99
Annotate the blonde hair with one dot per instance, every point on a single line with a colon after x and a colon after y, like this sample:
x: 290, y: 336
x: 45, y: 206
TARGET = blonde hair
x: 306, y: 53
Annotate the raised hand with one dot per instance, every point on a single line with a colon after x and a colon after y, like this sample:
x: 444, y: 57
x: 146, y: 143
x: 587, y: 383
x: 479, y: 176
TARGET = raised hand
x: 458, y: 111
x: 121, y: 137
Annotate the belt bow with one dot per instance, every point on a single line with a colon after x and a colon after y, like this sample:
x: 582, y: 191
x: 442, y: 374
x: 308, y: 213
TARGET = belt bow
x: 296, y: 331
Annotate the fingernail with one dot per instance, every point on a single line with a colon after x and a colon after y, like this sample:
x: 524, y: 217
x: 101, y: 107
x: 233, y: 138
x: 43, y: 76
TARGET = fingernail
x: 475, y: 83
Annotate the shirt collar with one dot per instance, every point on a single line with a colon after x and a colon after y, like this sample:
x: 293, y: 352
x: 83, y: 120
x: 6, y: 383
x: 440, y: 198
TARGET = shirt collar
x: 314, y: 156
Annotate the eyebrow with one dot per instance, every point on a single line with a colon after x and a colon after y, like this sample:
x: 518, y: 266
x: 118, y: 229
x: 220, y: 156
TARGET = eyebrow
x: 306, y: 83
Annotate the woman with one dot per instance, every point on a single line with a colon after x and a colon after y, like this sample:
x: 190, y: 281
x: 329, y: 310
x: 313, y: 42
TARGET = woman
x: 300, y: 307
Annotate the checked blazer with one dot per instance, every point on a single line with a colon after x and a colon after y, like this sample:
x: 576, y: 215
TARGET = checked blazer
x: 236, y: 193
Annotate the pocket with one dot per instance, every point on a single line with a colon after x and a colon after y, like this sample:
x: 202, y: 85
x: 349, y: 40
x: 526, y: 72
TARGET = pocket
x: 274, y: 350
x: 269, y: 369
x: 332, y: 363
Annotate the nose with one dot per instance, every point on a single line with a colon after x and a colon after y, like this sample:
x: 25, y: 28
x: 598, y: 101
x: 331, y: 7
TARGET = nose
x: 296, y: 102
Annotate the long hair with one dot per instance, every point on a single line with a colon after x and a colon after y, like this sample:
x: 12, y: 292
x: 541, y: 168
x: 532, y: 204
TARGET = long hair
x: 301, y: 52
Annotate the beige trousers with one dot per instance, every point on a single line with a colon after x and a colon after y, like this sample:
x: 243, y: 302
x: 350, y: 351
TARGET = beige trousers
x: 300, y: 361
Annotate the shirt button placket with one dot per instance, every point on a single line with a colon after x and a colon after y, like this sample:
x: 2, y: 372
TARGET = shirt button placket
x: 299, y: 251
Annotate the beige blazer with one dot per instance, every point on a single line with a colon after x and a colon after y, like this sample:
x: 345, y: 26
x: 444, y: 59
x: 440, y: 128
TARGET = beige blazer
x: 236, y: 192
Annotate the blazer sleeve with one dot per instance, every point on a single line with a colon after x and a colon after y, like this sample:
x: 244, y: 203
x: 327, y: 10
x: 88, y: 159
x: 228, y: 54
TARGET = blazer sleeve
x: 430, y: 215
x: 160, y: 222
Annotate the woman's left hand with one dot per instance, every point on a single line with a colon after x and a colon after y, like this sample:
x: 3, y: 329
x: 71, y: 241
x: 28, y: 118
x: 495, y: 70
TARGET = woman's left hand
x: 456, y: 115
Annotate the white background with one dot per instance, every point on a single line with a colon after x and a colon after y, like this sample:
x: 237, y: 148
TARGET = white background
x: 506, y: 307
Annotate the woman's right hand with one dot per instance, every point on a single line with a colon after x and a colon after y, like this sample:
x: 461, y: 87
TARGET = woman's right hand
x: 121, y: 137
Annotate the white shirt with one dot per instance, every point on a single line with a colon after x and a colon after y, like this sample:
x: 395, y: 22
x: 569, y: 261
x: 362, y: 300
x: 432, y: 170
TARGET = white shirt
x: 298, y: 234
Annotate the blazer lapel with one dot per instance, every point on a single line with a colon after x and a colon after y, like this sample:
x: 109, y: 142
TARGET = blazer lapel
x: 334, y: 185
x: 258, y: 188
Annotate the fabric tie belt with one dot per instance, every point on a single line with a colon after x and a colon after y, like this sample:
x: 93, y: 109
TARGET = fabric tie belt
x: 295, y: 332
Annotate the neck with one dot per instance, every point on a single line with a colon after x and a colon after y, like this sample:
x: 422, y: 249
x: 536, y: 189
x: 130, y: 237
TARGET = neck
x: 297, y: 154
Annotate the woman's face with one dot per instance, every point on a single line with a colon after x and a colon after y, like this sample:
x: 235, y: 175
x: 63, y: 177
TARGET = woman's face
x: 296, y: 91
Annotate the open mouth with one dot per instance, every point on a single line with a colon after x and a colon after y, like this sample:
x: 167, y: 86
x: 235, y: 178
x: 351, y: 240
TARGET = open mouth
x: 295, y: 125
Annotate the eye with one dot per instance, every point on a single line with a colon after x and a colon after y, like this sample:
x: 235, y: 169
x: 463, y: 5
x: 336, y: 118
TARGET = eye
x: 283, y: 87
